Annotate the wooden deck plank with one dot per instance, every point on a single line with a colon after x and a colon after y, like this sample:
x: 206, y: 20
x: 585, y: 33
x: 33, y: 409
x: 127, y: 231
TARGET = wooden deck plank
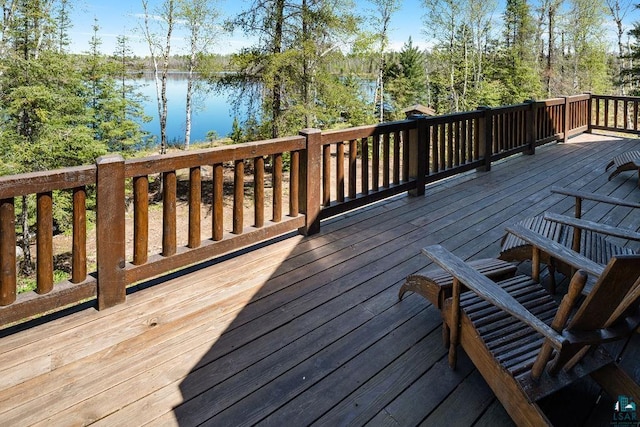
x: 375, y: 394
x: 423, y: 396
x: 230, y: 342
x: 465, y: 405
x: 338, y: 385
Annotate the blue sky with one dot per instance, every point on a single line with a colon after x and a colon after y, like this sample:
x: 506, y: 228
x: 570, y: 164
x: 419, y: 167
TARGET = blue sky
x: 122, y: 16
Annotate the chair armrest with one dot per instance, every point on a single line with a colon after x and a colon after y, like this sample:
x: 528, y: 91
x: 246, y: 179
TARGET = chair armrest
x: 595, y: 197
x: 593, y: 226
x: 556, y: 250
x: 489, y: 291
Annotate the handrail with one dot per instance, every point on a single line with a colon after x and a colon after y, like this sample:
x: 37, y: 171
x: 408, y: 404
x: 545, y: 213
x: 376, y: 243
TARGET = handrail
x: 329, y: 172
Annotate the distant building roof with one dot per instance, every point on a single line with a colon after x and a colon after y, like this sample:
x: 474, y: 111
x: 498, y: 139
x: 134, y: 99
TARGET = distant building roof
x: 419, y: 109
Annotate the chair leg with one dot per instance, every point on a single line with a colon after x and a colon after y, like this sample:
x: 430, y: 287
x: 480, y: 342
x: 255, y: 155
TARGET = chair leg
x: 445, y: 334
x: 552, y: 277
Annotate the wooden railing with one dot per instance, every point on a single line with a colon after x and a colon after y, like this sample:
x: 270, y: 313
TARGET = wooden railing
x: 615, y: 113
x: 367, y: 163
x: 80, y: 286
x: 328, y: 173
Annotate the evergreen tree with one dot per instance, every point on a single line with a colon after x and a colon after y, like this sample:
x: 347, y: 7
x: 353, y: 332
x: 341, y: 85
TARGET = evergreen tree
x: 115, y: 111
x: 406, y: 78
x: 298, y: 43
x: 518, y: 69
x: 43, y: 111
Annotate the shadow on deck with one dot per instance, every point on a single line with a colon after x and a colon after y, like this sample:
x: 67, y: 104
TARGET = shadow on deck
x: 310, y: 330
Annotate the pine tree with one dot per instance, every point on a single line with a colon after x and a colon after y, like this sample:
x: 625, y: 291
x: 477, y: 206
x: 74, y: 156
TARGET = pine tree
x: 115, y: 110
x: 298, y: 43
x: 43, y: 113
x: 518, y: 70
x: 406, y: 78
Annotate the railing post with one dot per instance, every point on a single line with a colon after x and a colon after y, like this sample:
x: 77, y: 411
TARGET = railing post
x: 310, y: 181
x: 531, y: 126
x: 418, y: 155
x: 110, y: 231
x: 486, y: 137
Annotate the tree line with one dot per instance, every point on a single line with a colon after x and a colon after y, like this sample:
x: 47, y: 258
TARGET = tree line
x: 314, y: 63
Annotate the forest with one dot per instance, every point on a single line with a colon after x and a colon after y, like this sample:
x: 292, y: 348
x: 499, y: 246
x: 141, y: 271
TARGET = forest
x: 306, y: 69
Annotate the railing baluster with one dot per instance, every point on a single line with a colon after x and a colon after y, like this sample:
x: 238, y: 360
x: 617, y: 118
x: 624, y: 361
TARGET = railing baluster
x: 238, y: 197
x: 386, y: 159
x: 353, y: 152
x: 258, y: 191
x: 443, y: 147
x: 406, y: 152
x: 326, y: 175
x: 140, y: 219
x: 365, y: 166
x: 375, y: 167
x: 396, y: 160
x: 476, y: 139
x: 294, y: 183
x: 44, y: 239
x: 79, y: 249
x: 7, y: 252
x: 277, y: 187
x: 457, y: 143
x: 217, y: 226
x: 340, y: 171
x: 435, y: 155
x: 169, y: 193
x: 195, y: 202
x: 464, y: 142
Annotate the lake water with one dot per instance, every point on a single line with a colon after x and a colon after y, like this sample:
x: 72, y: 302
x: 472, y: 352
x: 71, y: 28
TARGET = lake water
x: 211, y: 112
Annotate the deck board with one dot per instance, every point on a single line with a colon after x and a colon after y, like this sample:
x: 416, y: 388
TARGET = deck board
x: 308, y: 329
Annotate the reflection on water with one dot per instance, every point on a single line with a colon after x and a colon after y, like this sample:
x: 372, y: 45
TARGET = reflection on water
x: 212, y: 111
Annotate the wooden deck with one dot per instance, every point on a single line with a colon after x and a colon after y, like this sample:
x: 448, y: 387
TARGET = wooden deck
x: 310, y: 330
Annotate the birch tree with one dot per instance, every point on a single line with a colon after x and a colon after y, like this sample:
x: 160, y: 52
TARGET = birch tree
x: 157, y: 27
x: 588, y: 55
x: 618, y: 9
x: 198, y: 17
x: 462, y: 31
x: 385, y: 10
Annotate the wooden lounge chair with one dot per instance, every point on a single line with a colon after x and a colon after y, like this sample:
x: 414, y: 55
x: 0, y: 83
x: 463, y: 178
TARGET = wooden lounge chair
x: 526, y: 346
x: 625, y: 162
x: 588, y: 238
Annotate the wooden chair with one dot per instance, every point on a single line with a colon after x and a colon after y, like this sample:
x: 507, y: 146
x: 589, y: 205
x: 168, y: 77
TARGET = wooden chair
x: 591, y: 239
x: 625, y: 162
x: 526, y: 346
